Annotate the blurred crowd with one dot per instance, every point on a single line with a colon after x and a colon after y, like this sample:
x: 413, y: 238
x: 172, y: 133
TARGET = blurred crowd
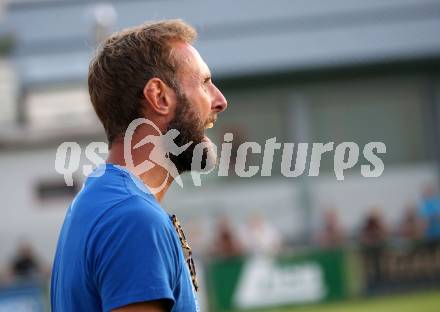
x: 419, y: 223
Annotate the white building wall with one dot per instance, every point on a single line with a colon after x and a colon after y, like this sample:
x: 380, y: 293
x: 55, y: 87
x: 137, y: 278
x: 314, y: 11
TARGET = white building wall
x: 8, y: 91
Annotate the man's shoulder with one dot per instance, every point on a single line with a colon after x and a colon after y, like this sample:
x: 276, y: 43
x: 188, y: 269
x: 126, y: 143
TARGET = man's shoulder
x: 134, y: 221
x: 111, y: 186
x: 138, y: 208
x: 112, y: 200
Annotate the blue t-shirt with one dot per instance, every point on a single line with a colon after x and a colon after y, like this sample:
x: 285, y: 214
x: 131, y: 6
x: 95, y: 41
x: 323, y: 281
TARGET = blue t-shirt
x: 117, y: 246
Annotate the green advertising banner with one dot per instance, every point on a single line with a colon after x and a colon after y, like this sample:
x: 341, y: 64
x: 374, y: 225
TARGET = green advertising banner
x: 264, y: 281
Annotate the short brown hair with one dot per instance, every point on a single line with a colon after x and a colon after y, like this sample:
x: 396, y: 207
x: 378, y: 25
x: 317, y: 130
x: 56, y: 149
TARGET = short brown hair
x: 126, y: 61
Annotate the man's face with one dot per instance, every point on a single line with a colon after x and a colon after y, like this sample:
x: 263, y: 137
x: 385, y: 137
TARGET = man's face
x: 198, y: 103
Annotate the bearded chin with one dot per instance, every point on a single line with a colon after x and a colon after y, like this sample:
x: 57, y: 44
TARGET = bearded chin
x: 191, y: 128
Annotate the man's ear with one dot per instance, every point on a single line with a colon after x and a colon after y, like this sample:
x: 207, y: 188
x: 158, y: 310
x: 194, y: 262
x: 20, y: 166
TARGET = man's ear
x: 159, y: 97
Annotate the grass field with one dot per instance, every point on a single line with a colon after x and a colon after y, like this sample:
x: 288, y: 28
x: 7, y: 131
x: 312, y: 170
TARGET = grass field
x: 416, y: 302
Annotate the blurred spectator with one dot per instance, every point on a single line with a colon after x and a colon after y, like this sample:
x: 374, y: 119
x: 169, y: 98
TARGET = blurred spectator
x: 373, y: 237
x: 25, y: 264
x: 373, y: 232
x: 225, y: 242
x: 260, y: 237
x: 331, y: 234
x: 411, y: 227
x: 430, y: 212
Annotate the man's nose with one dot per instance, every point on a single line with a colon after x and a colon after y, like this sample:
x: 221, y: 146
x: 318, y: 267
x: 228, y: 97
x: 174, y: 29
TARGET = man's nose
x: 219, y: 102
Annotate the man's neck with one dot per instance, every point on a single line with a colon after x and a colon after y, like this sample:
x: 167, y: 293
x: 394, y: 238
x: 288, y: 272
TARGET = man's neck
x: 153, y: 178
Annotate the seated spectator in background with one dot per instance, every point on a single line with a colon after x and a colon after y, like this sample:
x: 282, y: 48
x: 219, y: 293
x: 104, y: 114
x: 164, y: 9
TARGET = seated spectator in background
x: 411, y: 227
x: 430, y: 212
x: 260, y: 237
x: 331, y: 233
x: 25, y: 264
x: 373, y: 237
x: 225, y: 243
x: 373, y: 231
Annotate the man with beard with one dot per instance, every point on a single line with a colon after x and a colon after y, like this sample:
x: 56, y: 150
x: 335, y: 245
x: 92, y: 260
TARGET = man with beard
x: 118, y: 249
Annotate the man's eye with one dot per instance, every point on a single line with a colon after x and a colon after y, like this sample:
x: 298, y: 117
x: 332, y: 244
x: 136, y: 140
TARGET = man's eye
x: 207, y: 80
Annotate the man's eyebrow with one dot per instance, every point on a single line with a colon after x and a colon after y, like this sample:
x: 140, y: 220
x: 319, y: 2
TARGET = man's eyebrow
x: 206, y: 72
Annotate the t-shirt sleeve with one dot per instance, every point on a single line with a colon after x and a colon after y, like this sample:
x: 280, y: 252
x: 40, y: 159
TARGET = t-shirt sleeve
x: 131, y: 255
